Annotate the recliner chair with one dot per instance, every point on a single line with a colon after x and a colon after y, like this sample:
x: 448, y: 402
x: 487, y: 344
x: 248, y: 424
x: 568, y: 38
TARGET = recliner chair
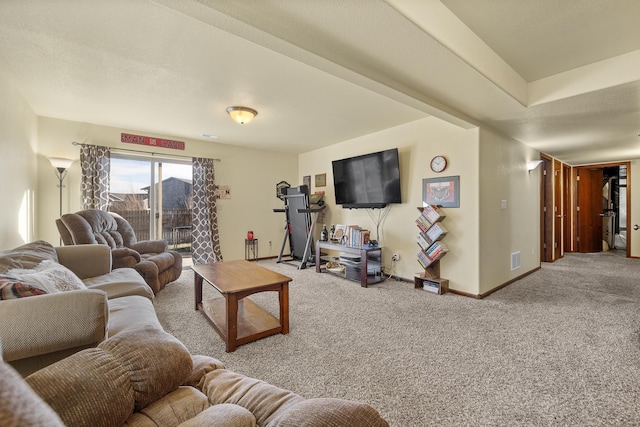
x: 151, y: 258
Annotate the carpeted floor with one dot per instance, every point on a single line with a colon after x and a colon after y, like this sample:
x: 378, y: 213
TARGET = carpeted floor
x: 559, y: 347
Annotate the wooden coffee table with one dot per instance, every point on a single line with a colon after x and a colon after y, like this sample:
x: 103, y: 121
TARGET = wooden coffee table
x: 237, y: 319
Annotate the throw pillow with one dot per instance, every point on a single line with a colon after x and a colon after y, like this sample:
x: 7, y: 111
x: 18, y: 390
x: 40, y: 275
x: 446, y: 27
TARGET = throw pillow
x: 51, y: 276
x: 11, y: 288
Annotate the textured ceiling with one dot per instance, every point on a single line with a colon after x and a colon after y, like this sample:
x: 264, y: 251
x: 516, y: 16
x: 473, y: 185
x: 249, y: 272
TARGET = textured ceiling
x: 321, y: 72
x: 539, y: 38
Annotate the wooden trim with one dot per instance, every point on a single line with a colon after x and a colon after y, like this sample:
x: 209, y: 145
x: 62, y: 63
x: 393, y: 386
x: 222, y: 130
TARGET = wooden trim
x: 464, y: 294
x: 515, y: 279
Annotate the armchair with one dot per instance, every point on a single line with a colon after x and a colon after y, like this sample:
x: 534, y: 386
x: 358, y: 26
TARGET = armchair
x: 151, y: 258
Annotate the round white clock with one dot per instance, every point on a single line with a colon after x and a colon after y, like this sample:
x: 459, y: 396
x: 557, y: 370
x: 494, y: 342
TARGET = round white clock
x: 438, y: 164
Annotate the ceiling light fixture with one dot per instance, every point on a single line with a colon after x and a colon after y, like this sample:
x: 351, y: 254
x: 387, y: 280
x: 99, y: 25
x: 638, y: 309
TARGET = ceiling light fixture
x: 242, y: 115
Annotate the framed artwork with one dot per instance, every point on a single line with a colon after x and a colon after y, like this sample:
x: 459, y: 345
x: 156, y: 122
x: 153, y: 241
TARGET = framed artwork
x: 306, y: 180
x: 321, y: 180
x: 442, y: 191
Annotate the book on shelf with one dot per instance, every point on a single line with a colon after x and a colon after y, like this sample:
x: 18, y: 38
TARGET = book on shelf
x: 431, y: 214
x: 431, y: 286
x: 423, y: 259
x: 424, y: 219
x: 436, y: 250
x: 437, y: 231
x: 429, y: 239
x: 357, y: 236
x: 421, y: 225
x: 423, y: 241
x: 351, y: 235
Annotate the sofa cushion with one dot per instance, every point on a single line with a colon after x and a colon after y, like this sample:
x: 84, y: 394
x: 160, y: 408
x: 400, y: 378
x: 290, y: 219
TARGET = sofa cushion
x: 12, y: 288
x: 88, y: 388
x: 155, y: 361
x: 20, y: 405
x: 263, y: 400
x: 132, y: 312
x: 329, y: 412
x: 224, y: 415
x: 121, y: 282
x: 27, y: 256
x: 171, y: 410
x: 103, y: 386
x: 51, y: 276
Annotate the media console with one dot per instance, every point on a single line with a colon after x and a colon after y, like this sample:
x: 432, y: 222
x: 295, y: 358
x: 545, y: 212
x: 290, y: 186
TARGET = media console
x: 363, y: 265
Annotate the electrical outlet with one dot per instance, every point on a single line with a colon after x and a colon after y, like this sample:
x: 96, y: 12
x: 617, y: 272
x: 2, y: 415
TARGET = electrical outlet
x: 395, y: 257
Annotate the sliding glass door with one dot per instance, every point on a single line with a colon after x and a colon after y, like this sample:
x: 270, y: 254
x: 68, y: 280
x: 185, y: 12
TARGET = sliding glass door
x: 155, y: 196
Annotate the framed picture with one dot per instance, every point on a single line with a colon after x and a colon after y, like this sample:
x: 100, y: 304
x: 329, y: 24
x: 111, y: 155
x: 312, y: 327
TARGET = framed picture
x: 442, y: 191
x: 321, y: 180
x: 306, y: 180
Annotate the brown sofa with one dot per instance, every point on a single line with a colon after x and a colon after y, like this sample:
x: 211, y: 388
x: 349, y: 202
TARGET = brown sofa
x: 99, y: 357
x: 39, y: 330
x: 151, y: 258
x: 145, y: 377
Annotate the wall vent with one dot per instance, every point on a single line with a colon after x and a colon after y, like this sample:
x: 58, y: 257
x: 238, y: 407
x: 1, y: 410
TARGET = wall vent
x: 515, y: 260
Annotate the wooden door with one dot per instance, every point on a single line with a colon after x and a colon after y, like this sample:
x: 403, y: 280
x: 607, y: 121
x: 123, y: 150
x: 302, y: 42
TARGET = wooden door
x: 557, y: 210
x: 566, y: 192
x: 589, y: 186
x: 546, y: 215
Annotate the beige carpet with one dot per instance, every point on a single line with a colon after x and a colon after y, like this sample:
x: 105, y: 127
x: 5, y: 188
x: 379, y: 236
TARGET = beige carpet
x: 560, y: 347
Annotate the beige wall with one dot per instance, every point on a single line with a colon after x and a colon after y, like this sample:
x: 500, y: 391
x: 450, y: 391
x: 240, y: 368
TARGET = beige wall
x: 417, y: 143
x: 503, y: 176
x: 18, y: 168
x: 252, y: 175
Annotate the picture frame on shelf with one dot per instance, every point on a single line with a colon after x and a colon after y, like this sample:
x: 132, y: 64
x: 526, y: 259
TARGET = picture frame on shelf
x: 442, y: 191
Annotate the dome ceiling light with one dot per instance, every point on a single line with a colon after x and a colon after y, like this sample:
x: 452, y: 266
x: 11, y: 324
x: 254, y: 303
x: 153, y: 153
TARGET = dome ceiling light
x: 242, y: 115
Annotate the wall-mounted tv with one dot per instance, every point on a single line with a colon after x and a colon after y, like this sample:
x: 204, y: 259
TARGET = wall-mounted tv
x: 367, y: 181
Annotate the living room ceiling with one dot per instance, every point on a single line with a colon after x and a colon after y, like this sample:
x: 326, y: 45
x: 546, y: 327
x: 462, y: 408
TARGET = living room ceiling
x: 562, y: 77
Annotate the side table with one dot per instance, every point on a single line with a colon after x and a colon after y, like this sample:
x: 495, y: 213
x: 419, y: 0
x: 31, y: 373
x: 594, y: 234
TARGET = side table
x: 251, y: 249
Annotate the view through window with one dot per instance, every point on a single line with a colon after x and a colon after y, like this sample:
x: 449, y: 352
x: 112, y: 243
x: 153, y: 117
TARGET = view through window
x: 155, y: 197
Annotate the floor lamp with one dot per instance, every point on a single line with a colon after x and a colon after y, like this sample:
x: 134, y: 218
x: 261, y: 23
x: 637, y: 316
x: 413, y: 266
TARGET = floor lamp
x: 61, y: 165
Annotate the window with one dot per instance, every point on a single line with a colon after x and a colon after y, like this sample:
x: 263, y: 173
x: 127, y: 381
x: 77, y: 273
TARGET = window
x: 154, y: 210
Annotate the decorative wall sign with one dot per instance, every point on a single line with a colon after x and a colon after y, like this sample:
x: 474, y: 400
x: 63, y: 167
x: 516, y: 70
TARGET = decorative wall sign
x: 152, y: 142
x: 223, y: 192
x: 321, y: 180
x: 444, y: 191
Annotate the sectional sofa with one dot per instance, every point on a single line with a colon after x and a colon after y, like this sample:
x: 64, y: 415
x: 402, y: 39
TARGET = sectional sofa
x: 82, y: 345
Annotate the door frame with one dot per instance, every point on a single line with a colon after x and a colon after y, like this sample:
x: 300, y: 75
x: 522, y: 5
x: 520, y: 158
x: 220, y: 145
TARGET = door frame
x: 628, y: 192
x: 546, y: 209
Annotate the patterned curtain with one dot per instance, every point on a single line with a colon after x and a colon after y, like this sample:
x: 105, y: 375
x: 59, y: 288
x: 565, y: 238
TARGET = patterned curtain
x: 206, y: 240
x: 94, y: 161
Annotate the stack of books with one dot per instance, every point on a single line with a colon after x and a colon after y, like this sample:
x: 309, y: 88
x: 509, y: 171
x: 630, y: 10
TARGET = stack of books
x: 354, y: 235
x: 429, y: 238
x: 432, y: 254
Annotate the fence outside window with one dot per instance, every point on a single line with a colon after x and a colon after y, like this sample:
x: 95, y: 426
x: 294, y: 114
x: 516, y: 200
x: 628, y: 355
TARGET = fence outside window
x: 176, y: 226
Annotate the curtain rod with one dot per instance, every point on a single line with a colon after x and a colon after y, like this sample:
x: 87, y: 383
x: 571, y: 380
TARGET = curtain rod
x: 148, y: 152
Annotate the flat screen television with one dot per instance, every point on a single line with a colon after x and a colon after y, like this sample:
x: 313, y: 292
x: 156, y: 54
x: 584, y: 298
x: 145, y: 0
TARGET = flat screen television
x: 367, y: 181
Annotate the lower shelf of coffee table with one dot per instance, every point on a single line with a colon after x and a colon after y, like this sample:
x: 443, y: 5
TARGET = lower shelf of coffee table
x: 254, y: 322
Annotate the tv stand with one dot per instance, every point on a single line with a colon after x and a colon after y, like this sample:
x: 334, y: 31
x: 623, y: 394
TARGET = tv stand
x: 367, y: 270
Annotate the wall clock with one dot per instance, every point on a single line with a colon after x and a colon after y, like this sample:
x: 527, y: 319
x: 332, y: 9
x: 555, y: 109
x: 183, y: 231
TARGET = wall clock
x: 438, y: 164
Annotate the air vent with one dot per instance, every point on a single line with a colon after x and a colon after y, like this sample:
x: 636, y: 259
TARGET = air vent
x: 515, y: 260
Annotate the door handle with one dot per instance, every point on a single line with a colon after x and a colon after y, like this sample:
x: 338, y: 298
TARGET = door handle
x: 635, y: 227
